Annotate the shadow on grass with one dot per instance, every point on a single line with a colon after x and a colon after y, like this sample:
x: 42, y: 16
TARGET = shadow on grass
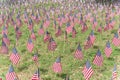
x: 63, y: 75
x: 43, y: 70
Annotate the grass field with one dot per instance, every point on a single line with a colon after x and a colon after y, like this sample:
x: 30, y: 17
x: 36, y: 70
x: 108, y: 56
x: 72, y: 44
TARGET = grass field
x: 26, y: 67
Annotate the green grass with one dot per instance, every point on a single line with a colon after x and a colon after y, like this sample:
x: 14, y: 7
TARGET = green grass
x: 25, y: 69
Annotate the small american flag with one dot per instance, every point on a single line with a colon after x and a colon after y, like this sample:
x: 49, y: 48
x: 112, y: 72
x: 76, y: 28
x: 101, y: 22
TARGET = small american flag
x: 47, y: 37
x: 18, y: 32
x: 108, y: 49
x: 30, y: 45
x: 88, y: 43
x: 98, y: 60
x: 5, y: 39
x: 33, y: 37
x: 116, y: 40
x: 30, y: 24
x: 68, y: 28
x: 11, y: 74
x: 35, y: 57
x: 84, y: 27
x: 57, y: 67
x: 74, y: 32
x: 92, y: 37
x: 52, y: 44
x: 58, y: 32
x: 78, y: 53
x: 14, y: 57
x: 100, y: 28
x: 5, y: 30
x: 87, y: 71
x: 36, y: 75
x: 41, y: 30
x: 114, y: 73
x: 4, y: 48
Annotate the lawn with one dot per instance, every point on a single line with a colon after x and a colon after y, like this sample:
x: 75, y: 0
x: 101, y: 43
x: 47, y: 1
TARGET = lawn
x: 71, y: 66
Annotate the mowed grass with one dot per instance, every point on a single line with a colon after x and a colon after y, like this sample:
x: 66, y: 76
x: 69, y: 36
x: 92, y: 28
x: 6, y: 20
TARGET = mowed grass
x: 26, y: 67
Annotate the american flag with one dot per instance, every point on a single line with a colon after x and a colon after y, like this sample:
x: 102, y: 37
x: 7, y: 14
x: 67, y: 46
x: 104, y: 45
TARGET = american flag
x: 47, y: 37
x: 88, y: 43
x: 5, y: 30
x: 4, y: 48
x: 98, y: 60
x: 11, y: 75
x: 33, y: 37
x: 92, y: 37
x: 84, y: 27
x: 108, y: 49
x: 41, y: 30
x: 94, y: 24
x: 18, y: 32
x: 87, y: 71
x: 57, y: 66
x: 114, y: 73
x: 58, y: 32
x: 78, y: 53
x: 35, y: 57
x: 36, y: 75
x: 74, y: 32
x: 14, y: 57
x: 100, y: 28
x: 52, y: 44
x: 116, y: 40
x: 30, y: 45
x: 30, y: 24
x: 5, y: 39
x: 68, y: 28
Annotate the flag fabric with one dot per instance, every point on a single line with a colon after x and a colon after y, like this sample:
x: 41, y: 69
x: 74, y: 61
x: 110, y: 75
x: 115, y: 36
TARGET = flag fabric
x: 84, y: 27
x: 98, y: 60
x: 33, y: 37
x: 108, y: 49
x: 88, y: 43
x: 11, y: 75
x: 52, y: 45
x: 78, y: 53
x: 18, y: 32
x: 92, y: 37
x: 87, y: 71
x: 114, y: 73
x: 74, y: 32
x: 116, y: 40
x: 100, y: 29
x: 5, y: 30
x: 68, y: 28
x: 30, y: 24
x: 94, y: 24
x: 35, y: 57
x: 14, y: 57
x: 5, y: 39
x: 47, y: 36
x: 57, y: 66
x: 30, y: 45
x: 58, y: 32
x: 4, y: 48
x: 41, y: 30
x: 36, y: 75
